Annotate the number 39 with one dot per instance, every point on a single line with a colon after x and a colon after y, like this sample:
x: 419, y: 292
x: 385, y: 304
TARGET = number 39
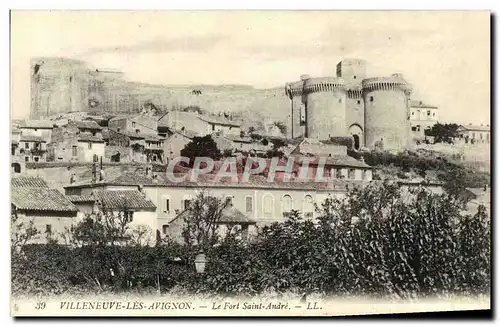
x: 40, y: 305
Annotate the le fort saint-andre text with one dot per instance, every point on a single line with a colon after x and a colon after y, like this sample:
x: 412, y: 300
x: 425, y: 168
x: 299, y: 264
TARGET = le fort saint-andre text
x: 138, y: 305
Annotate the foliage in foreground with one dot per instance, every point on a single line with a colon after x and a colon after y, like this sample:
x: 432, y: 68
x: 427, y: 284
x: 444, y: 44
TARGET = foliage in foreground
x: 377, y: 241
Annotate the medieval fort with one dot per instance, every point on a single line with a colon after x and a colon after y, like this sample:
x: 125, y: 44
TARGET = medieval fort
x: 373, y: 111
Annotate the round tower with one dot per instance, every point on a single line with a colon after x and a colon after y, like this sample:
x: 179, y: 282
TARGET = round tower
x: 325, y: 107
x: 386, y: 112
x: 296, y: 118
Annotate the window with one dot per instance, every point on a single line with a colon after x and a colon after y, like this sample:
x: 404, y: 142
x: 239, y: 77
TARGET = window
x: 248, y: 204
x: 434, y: 114
x: 26, y: 158
x: 413, y: 113
x: 48, y: 228
x: 413, y: 128
x: 333, y: 173
x: 354, y: 77
x: 13, y: 150
x: 93, y: 133
x: 165, y: 204
x: 74, y: 150
x: 268, y: 203
x: 187, y: 203
x: 26, y: 145
x: 133, y: 124
x: 473, y: 135
x: 286, y: 205
x: 213, y: 127
x: 481, y: 135
x: 129, y: 216
x: 428, y: 112
x: 308, y: 207
x: 137, y: 131
x: 90, y: 145
x: 358, y: 101
x: 36, y: 158
x: 340, y: 100
x: 371, y: 98
x: 352, y: 174
x: 229, y: 201
x: 164, y: 228
x: 418, y: 128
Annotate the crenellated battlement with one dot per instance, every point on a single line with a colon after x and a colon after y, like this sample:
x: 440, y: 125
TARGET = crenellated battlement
x: 315, y: 85
x: 392, y: 83
x: 324, y: 84
x: 294, y: 89
x: 355, y: 92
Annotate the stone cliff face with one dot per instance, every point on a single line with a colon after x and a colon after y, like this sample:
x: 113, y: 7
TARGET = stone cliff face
x: 63, y: 85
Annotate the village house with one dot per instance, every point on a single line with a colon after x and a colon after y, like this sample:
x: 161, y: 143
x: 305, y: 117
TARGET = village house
x: 50, y: 211
x: 231, y: 220
x: 200, y: 124
x: 78, y: 141
x: 154, y: 148
x: 140, y: 124
x: 124, y: 147
x: 15, y: 138
x: 422, y: 117
x: 173, y: 145
x: 337, y: 164
x: 37, y: 128
x: 135, y: 207
x: 29, y: 139
x: 260, y: 201
x: 32, y: 148
x: 472, y: 134
x: 236, y: 143
x: 142, y: 133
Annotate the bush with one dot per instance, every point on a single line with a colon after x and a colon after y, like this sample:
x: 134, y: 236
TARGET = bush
x: 377, y: 241
x: 343, y: 141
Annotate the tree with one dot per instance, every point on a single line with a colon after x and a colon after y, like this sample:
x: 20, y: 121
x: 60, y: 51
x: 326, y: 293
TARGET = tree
x: 201, y: 147
x: 202, y: 221
x: 443, y: 133
x: 22, y: 232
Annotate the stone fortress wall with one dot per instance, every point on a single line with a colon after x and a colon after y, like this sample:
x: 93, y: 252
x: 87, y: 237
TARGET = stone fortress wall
x: 349, y: 104
x: 61, y: 85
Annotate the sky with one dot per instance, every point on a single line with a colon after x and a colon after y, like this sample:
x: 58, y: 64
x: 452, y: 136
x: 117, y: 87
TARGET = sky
x: 444, y: 55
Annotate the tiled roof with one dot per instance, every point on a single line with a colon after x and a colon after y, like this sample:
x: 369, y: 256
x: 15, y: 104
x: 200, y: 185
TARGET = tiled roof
x: 88, y: 124
x: 188, y: 133
x: 40, y: 199
x: 33, y: 138
x: 476, y: 128
x: 230, y: 215
x: 123, y: 199
x: 36, y: 124
x: 153, y: 137
x: 234, y: 215
x: 420, y: 104
x: 210, y: 181
x: 81, y: 199
x: 87, y: 137
x: 28, y: 181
